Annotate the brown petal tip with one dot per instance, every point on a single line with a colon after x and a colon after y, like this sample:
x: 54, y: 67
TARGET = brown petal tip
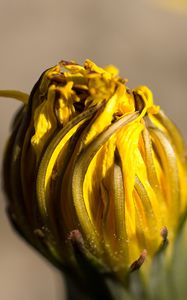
x: 139, y: 262
x: 164, y: 235
x: 76, y: 238
x: 67, y: 63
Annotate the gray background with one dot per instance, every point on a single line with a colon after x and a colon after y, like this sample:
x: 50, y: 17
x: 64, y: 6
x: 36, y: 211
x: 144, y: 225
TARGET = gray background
x: 147, y: 42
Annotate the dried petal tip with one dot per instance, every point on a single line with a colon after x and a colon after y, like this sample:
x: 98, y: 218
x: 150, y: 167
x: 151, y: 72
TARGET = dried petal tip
x: 76, y: 237
x: 139, y: 262
x: 164, y: 233
x: 165, y: 241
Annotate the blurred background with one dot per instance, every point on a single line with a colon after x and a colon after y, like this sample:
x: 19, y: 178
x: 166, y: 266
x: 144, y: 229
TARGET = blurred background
x: 145, y: 39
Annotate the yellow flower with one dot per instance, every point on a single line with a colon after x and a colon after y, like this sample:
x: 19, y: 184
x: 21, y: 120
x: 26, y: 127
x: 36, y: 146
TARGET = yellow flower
x: 94, y: 161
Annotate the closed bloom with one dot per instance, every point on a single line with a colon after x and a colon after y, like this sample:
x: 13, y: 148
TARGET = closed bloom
x: 96, y: 166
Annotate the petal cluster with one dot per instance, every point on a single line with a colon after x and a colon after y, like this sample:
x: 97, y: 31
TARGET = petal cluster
x: 89, y: 154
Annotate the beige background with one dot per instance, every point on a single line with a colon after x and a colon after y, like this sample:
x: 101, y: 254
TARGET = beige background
x: 148, y: 44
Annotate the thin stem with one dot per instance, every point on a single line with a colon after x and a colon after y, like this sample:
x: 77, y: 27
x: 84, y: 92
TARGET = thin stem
x: 23, y: 97
x: 73, y: 292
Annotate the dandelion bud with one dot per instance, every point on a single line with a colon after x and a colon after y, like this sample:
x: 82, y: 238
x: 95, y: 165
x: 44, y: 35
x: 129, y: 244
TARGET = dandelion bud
x: 94, y: 170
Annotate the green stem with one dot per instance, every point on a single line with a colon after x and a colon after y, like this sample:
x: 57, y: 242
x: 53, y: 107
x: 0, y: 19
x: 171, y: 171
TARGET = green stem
x: 96, y: 288
x: 73, y: 292
x: 23, y: 97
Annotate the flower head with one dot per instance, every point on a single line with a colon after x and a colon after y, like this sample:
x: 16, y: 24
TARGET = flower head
x: 94, y: 164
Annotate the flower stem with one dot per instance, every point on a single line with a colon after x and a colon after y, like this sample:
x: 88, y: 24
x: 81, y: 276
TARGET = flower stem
x: 72, y: 291
x: 23, y: 97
